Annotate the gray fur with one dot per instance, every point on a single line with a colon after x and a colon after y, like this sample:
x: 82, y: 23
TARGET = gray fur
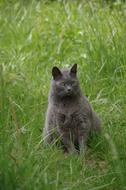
x: 69, y: 115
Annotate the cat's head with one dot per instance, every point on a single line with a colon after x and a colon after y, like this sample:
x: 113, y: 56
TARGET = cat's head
x: 65, y: 82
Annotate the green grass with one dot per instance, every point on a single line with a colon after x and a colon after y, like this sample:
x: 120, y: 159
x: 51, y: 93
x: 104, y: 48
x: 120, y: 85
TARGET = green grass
x: 34, y: 36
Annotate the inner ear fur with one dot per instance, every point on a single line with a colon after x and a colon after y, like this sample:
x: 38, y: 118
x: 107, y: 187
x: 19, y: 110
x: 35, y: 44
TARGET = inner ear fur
x: 73, y: 70
x: 56, y: 73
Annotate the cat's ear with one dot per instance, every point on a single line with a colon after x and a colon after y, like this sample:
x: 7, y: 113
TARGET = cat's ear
x: 56, y: 73
x: 73, y: 70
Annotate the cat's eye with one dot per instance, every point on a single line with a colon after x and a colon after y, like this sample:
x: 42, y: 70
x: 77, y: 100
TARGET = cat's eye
x: 73, y: 83
x: 63, y: 83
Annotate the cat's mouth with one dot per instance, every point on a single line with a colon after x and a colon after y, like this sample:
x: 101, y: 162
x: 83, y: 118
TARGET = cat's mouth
x: 68, y: 93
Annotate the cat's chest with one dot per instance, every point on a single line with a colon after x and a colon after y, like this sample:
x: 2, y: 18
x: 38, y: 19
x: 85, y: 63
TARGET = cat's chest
x: 69, y: 116
x: 66, y: 109
x: 71, y: 122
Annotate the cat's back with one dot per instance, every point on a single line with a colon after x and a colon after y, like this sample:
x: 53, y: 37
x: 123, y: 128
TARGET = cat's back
x: 84, y: 105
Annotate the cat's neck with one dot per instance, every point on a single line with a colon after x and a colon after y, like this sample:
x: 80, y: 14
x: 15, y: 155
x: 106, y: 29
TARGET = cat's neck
x: 64, y: 100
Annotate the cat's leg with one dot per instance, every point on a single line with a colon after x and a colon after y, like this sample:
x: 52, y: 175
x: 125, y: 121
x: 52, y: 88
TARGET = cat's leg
x: 64, y: 132
x: 82, y: 143
x: 69, y: 145
x: 83, y: 135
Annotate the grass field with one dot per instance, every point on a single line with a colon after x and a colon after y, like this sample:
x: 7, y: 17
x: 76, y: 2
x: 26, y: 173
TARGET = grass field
x: 34, y: 36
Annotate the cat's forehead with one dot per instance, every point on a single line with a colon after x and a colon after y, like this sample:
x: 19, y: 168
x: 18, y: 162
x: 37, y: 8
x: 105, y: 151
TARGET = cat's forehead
x: 66, y: 73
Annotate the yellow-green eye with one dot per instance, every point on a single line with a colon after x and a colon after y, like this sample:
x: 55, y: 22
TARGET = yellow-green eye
x: 73, y: 84
x: 63, y: 83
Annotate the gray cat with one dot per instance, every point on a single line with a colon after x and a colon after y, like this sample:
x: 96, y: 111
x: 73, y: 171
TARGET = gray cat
x: 69, y: 115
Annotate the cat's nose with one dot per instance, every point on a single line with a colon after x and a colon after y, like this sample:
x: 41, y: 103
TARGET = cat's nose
x: 69, y: 89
